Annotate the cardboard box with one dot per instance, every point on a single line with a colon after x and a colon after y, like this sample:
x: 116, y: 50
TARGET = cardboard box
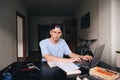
x: 104, y: 73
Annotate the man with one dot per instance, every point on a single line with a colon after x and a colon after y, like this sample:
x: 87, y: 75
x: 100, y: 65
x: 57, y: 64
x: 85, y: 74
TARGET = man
x: 55, y: 47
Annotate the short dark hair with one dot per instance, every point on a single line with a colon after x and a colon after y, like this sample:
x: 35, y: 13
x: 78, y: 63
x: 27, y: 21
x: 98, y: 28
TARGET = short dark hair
x: 56, y: 25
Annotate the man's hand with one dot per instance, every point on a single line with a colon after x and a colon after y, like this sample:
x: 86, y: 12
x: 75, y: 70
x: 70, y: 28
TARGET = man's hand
x: 77, y: 59
x: 87, y: 57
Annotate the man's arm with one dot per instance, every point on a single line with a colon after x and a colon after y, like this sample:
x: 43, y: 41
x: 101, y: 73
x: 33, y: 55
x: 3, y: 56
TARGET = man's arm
x: 86, y: 57
x: 52, y: 58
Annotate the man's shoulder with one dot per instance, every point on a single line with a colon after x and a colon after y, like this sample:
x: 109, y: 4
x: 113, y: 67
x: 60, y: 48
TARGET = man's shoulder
x: 61, y: 40
x: 44, y: 40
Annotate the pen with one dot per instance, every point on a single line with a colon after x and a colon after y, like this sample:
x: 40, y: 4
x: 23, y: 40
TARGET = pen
x: 26, y: 69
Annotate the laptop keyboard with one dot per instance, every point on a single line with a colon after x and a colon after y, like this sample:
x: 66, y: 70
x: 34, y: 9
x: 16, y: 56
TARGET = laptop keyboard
x: 83, y: 63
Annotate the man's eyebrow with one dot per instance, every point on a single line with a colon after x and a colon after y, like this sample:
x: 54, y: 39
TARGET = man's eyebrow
x: 57, y: 32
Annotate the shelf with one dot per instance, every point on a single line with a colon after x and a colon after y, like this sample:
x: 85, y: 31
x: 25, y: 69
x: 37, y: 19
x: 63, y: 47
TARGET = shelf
x: 117, y: 51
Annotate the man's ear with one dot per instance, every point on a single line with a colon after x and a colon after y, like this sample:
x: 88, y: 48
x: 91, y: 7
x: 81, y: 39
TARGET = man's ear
x: 61, y: 35
x: 50, y: 32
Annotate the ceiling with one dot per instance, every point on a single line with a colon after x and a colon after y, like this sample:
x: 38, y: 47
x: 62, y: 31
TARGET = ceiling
x: 52, y: 7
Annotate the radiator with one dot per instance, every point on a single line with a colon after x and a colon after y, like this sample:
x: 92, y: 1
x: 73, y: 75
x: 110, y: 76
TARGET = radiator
x: 118, y: 59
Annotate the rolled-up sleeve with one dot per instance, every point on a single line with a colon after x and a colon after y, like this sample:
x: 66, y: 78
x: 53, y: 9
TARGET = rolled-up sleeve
x: 43, y: 48
x: 66, y: 49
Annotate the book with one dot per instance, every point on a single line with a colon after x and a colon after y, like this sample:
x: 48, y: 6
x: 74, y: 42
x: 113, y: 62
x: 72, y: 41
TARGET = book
x: 51, y: 64
x: 106, y: 74
x: 77, y: 71
x: 69, y: 67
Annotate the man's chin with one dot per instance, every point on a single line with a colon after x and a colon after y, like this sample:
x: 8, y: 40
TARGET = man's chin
x: 56, y: 40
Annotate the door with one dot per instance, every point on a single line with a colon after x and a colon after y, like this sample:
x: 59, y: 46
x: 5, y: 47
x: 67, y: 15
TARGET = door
x: 21, y: 37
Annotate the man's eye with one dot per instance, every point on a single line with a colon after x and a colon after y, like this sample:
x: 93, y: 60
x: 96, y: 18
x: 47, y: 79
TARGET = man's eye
x: 54, y: 32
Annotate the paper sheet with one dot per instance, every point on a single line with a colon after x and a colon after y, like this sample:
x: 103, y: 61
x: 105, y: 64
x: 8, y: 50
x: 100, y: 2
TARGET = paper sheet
x: 51, y: 64
x: 67, y: 66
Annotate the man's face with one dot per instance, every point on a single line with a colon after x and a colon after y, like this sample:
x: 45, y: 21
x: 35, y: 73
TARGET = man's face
x: 56, y: 34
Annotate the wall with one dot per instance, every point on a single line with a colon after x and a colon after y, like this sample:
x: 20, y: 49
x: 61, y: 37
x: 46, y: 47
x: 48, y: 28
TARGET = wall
x: 33, y: 31
x: 117, y: 25
x: 91, y: 32
x: 105, y: 17
x: 105, y: 28
x: 8, y: 30
x: 110, y: 24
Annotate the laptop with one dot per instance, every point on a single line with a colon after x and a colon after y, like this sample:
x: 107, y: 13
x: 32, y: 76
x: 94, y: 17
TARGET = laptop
x: 96, y: 58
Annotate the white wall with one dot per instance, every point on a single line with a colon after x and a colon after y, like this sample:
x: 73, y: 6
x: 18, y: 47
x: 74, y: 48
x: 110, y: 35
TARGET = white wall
x: 105, y: 17
x: 117, y: 25
x: 91, y: 32
x: 108, y: 17
x: 104, y: 21
x: 8, y: 30
x: 34, y: 22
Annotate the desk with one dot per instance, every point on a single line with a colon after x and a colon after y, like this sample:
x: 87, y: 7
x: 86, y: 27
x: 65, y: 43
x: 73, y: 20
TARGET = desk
x: 45, y: 73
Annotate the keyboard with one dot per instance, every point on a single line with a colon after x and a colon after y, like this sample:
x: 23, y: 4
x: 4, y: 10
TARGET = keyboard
x: 83, y: 63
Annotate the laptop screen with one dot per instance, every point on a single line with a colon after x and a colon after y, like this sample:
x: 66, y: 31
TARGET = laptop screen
x: 97, y: 55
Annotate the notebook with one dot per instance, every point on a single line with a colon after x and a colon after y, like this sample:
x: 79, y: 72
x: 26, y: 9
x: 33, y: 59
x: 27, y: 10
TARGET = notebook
x: 69, y: 67
x: 96, y: 59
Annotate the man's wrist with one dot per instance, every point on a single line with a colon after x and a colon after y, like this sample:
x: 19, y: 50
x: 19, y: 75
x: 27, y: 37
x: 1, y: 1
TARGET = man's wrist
x: 81, y: 57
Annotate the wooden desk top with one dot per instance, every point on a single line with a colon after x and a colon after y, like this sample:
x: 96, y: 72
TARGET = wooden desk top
x: 20, y: 71
x: 45, y: 72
